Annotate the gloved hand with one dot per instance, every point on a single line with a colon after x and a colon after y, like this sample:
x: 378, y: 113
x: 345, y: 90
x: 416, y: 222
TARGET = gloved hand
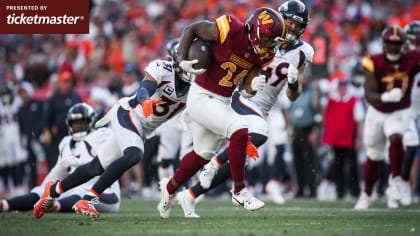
x: 258, y: 83
x: 187, y: 66
x: 394, y: 95
x: 147, y: 106
x: 71, y: 161
x: 292, y: 74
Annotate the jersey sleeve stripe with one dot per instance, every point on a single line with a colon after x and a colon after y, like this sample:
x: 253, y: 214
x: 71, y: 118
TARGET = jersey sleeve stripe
x: 367, y: 63
x: 302, y: 58
x: 224, y: 28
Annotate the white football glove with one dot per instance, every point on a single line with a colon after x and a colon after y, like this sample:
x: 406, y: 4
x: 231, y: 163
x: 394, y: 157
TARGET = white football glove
x: 71, y: 161
x: 292, y: 74
x: 187, y: 66
x: 258, y: 83
x: 394, y: 95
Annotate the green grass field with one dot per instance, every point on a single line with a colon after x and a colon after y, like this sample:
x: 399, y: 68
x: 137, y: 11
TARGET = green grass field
x: 140, y: 217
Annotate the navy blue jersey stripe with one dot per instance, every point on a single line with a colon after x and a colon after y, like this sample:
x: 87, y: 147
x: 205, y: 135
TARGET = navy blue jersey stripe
x: 125, y: 120
x: 240, y: 107
x: 302, y: 58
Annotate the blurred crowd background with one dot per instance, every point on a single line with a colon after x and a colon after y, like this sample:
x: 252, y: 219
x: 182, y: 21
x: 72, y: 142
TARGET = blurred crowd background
x: 49, y: 73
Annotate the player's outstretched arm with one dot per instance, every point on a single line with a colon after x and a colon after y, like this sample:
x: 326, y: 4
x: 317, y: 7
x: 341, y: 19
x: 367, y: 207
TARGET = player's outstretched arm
x: 204, y: 30
x: 294, y: 86
x: 146, y: 90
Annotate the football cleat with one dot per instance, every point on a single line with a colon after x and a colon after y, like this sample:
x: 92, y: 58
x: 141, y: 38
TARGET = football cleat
x: 390, y: 202
x: 363, y: 202
x: 1, y: 205
x: 274, y: 191
x: 245, y: 199
x: 394, y: 185
x: 45, y: 202
x: 207, y: 174
x: 86, y: 208
x: 167, y: 200
x: 187, y: 203
x: 405, y: 192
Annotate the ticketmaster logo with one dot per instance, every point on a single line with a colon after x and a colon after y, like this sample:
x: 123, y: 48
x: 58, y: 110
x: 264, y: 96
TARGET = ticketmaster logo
x: 42, y: 20
x: 44, y: 17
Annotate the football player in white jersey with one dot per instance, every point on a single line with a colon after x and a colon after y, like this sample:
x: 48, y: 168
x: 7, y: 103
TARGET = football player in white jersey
x: 76, y: 149
x: 12, y: 154
x: 173, y: 137
x: 411, y: 137
x: 287, y: 67
x: 162, y: 94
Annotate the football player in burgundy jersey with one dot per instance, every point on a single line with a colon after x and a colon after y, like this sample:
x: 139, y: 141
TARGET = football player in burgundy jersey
x: 387, y: 89
x: 287, y: 67
x: 239, y: 51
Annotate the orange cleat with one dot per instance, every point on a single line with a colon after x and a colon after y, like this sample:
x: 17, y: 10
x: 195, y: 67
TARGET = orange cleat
x: 86, y: 208
x: 46, y: 201
x: 251, y: 150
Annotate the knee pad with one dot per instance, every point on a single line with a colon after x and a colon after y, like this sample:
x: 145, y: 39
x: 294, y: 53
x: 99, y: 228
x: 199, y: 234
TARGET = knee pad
x: 132, y: 155
x: 258, y: 139
x: 94, y: 168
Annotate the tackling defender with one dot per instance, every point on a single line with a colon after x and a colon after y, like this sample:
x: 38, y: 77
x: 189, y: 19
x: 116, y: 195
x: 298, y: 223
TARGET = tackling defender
x: 239, y: 51
x: 76, y: 149
x: 288, y: 66
x: 162, y: 94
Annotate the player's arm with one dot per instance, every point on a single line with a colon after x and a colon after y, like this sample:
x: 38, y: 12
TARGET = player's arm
x: 204, y: 30
x: 253, y: 82
x: 371, y: 89
x: 294, y: 87
x: 147, y: 88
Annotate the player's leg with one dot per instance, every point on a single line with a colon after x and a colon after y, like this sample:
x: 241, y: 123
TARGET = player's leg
x: 20, y: 203
x: 127, y: 129
x: 108, y: 203
x: 395, y: 126
x: 375, y: 142
x: 81, y: 175
x: 168, y: 148
x: 188, y: 166
x: 186, y: 198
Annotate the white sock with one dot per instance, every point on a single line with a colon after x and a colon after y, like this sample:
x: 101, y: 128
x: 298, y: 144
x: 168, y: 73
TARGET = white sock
x: 57, y: 188
x: 5, y: 205
x: 57, y: 204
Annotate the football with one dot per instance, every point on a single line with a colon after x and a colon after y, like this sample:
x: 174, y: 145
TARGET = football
x: 200, y: 50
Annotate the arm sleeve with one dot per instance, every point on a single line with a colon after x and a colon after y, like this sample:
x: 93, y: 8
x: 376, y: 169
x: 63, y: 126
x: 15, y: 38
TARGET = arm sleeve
x: 358, y: 111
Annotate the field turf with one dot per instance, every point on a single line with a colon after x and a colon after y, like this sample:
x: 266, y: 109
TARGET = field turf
x: 140, y: 217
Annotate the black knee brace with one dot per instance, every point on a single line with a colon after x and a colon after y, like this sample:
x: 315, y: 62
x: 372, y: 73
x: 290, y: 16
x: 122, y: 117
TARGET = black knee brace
x: 258, y: 139
x: 94, y: 167
x: 132, y: 155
